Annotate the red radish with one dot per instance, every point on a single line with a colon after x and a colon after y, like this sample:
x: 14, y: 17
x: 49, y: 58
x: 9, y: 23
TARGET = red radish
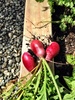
x: 28, y: 61
x: 52, y: 50
x: 38, y: 48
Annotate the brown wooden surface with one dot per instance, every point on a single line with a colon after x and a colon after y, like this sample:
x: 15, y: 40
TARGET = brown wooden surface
x: 34, y: 13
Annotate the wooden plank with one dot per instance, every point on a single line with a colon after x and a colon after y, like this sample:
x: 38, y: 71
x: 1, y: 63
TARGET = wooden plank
x: 35, y: 12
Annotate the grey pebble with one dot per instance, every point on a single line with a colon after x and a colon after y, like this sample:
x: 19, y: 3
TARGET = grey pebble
x: 4, y: 65
x: 1, y: 46
x: 1, y: 52
x: 2, y: 83
x: 14, y: 36
x: 1, y: 78
x: 0, y: 38
x: 6, y: 72
x: 1, y: 74
x: 9, y: 68
x: 10, y: 62
x: 5, y: 59
x: 18, y: 59
x: 11, y: 20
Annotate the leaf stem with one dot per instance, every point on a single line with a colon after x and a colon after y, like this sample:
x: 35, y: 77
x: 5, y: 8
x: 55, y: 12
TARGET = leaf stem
x: 60, y: 98
x: 38, y: 80
x: 45, y: 82
x: 19, y: 98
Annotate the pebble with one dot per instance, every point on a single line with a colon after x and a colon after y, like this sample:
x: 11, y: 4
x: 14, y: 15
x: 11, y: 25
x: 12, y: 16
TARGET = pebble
x: 12, y: 70
x: 1, y: 46
x: 6, y: 72
x: 5, y: 59
x: 10, y: 35
x: 2, y: 83
x: 0, y: 38
x: 18, y: 59
x: 4, y: 65
x: 10, y: 62
x: 1, y: 74
x: 0, y: 52
x: 1, y: 78
x: 11, y: 29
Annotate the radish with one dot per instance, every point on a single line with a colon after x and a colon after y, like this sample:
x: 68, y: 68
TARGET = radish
x: 38, y: 48
x: 28, y: 61
x: 52, y: 50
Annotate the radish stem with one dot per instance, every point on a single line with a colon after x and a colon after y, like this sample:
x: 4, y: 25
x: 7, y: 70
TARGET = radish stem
x: 45, y: 63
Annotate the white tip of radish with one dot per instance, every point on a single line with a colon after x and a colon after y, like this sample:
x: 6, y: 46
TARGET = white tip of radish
x: 48, y: 57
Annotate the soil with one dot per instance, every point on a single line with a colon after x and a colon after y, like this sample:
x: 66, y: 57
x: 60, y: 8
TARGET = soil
x: 66, y: 40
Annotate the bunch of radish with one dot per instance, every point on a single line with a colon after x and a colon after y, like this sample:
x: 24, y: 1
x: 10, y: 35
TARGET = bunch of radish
x: 38, y: 49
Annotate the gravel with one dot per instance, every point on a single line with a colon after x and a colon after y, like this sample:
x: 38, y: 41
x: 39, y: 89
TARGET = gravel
x: 11, y: 29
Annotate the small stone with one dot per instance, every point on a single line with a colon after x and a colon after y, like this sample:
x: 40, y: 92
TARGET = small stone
x: 4, y: 65
x: 0, y: 52
x: 12, y: 47
x: 6, y: 80
x: 1, y: 78
x: 5, y: 77
x: 1, y: 74
x: 17, y: 44
x: 10, y: 62
x: 10, y: 35
x: 18, y: 59
x: 71, y: 44
x: 2, y: 83
x: 1, y: 46
x: 12, y: 70
x: 4, y: 49
x: 15, y: 54
x: 65, y: 40
x: 8, y: 57
x: 0, y: 39
x: 8, y: 51
x: 9, y: 69
x: 14, y: 36
x: 5, y: 59
x: 17, y: 73
x: 3, y: 87
x: 15, y: 50
x: 6, y: 72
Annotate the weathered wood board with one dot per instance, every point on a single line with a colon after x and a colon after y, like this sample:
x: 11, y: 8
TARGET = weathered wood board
x: 35, y: 12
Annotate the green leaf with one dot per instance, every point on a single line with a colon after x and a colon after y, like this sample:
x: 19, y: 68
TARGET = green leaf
x: 68, y: 80
x: 70, y: 59
x: 73, y: 85
x: 70, y: 96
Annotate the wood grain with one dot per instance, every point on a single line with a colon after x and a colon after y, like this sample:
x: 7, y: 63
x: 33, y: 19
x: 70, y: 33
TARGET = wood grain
x: 35, y: 13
